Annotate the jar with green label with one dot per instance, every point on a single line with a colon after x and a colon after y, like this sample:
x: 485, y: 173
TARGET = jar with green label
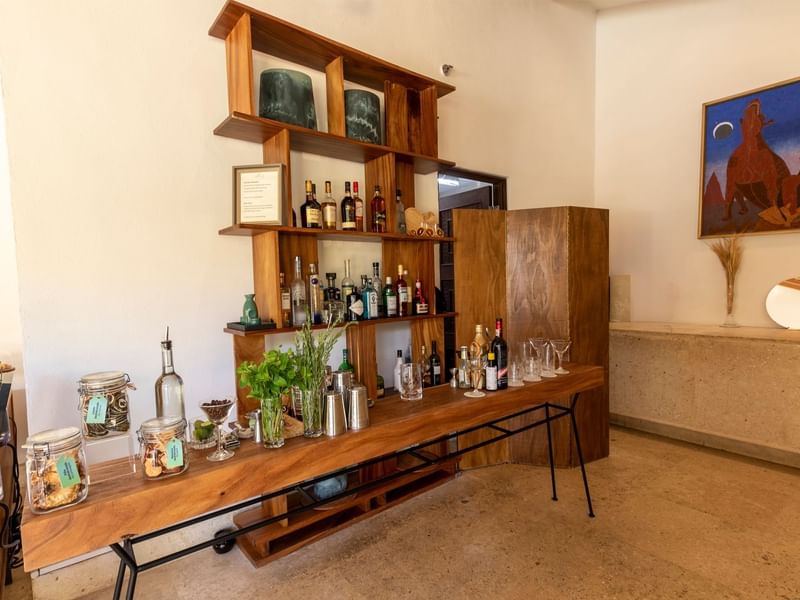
x: 162, y: 447
x: 56, y: 467
x: 103, y: 403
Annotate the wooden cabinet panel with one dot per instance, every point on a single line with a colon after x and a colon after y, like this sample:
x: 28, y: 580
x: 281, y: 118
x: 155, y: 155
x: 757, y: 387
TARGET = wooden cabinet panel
x: 239, y: 64
x: 334, y: 86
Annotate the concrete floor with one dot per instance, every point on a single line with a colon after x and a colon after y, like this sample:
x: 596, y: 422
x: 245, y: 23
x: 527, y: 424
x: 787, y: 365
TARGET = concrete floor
x: 673, y: 521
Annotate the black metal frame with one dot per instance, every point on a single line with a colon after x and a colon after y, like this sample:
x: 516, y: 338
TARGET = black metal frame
x: 124, y: 549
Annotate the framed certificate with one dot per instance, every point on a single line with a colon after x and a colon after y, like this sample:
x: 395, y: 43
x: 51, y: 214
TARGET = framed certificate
x: 258, y: 194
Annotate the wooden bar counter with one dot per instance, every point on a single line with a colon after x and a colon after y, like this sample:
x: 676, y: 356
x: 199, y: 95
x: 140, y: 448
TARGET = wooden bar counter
x: 130, y: 506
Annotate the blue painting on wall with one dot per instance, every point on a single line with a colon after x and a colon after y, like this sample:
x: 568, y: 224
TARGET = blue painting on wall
x: 751, y: 162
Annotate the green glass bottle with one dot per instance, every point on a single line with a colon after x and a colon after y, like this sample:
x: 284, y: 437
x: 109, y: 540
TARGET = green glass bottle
x: 346, y: 366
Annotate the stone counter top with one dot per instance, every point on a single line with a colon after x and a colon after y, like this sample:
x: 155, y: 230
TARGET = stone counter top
x: 751, y: 333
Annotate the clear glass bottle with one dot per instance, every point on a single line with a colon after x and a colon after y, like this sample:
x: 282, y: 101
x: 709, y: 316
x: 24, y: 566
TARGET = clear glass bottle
x: 169, y: 386
x: 354, y: 307
x: 377, y: 284
x: 463, y: 368
x: 479, y: 348
x: 369, y: 297
x: 348, y: 210
x: 286, y: 303
x: 315, y: 295
x: 328, y: 209
x: 400, y: 211
x: 378, y: 211
x: 299, y: 299
x: 359, y: 204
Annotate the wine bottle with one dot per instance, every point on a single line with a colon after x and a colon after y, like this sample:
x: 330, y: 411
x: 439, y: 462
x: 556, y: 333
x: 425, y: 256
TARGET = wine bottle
x: 500, y: 349
x: 169, y: 385
x: 286, y: 303
x: 435, y: 365
x: 420, y: 303
x: 298, y: 291
x: 491, y: 373
x: 400, y: 210
x: 402, y: 293
x: 315, y: 296
x: 345, y: 365
x: 309, y: 212
x: 397, y: 364
x: 378, y: 211
x: 359, y: 204
x: 390, y: 298
x: 328, y: 209
x: 348, y: 210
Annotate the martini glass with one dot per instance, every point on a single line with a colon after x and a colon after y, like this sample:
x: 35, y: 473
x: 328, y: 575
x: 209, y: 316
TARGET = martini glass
x: 560, y: 346
x: 476, y: 366
x: 217, y: 412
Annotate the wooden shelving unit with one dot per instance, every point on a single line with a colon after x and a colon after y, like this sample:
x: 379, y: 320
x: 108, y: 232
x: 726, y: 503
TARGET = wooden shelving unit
x: 279, y: 330
x: 410, y: 147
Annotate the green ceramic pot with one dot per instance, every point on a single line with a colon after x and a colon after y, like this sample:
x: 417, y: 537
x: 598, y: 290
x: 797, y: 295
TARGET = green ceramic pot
x: 287, y: 96
x: 362, y: 114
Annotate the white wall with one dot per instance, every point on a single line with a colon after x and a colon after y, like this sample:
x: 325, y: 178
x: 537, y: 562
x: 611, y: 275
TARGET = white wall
x: 657, y: 63
x: 118, y: 186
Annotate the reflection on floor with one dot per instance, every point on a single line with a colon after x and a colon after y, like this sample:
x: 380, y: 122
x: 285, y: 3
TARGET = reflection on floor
x: 673, y: 521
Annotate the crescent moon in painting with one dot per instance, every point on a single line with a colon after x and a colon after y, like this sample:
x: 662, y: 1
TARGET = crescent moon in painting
x: 722, y: 130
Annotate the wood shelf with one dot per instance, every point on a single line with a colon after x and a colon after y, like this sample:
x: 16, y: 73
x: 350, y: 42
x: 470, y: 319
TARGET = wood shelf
x: 278, y: 330
x: 285, y: 40
x: 249, y: 128
x: 250, y: 230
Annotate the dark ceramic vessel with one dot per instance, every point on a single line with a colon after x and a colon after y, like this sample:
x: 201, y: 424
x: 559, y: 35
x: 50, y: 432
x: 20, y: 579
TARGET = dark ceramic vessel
x: 362, y: 111
x: 287, y: 96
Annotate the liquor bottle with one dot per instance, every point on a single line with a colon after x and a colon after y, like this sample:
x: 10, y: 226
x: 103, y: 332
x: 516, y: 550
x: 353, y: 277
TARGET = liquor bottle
x: 397, y: 364
x: 424, y: 366
x: 354, y: 307
x: 331, y: 292
x: 298, y: 290
x: 400, y: 210
x: 479, y: 348
x: 315, y: 296
x: 463, y: 368
x: 346, y: 366
x: 390, y: 298
x: 348, y: 210
x: 310, y: 216
x: 491, y: 373
x: 402, y: 293
x: 169, y: 386
x: 420, y: 303
x: 500, y: 349
x: 286, y: 303
x: 359, y: 204
x: 435, y: 365
x: 347, y: 284
x: 369, y: 297
x: 376, y: 283
x: 378, y: 211
x: 328, y: 209
x: 381, y: 387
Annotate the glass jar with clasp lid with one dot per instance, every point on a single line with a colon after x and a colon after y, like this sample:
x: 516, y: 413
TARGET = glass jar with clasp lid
x: 162, y: 447
x: 103, y: 403
x: 56, y: 469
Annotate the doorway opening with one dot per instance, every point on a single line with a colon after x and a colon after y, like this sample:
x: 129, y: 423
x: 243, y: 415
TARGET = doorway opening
x: 459, y: 188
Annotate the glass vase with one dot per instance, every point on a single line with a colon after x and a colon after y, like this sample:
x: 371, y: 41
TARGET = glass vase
x: 312, y: 412
x: 272, y: 422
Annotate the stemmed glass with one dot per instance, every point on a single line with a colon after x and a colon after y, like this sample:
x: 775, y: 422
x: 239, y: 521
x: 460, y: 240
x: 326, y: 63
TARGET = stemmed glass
x: 476, y: 366
x: 217, y: 412
x: 560, y: 346
x: 531, y: 362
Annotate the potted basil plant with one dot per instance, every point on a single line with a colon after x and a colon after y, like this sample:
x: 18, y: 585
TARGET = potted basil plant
x: 268, y: 381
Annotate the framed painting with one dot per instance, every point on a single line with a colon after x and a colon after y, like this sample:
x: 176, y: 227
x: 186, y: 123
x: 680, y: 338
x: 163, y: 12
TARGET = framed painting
x: 750, y: 170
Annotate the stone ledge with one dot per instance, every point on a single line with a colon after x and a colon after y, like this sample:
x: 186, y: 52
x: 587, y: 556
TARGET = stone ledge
x: 777, y: 334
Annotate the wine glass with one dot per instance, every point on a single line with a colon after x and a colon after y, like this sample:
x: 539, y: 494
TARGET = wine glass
x: 217, y: 412
x: 531, y: 363
x: 544, y: 352
x: 560, y: 346
x: 476, y: 366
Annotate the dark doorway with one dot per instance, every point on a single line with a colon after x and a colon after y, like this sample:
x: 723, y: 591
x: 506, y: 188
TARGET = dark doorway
x: 461, y: 189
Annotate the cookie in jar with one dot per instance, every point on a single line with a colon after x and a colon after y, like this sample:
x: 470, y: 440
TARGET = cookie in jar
x: 56, y: 469
x: 162, y: 447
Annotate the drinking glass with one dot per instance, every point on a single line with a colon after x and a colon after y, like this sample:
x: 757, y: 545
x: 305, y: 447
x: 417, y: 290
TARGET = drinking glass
x: 531, y: 363
x: 560, y: 346
x: 515, y: 372
x: 411, y: 381
x: 217, y: 412
x: 476, y: 366
x: 546, y: 356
